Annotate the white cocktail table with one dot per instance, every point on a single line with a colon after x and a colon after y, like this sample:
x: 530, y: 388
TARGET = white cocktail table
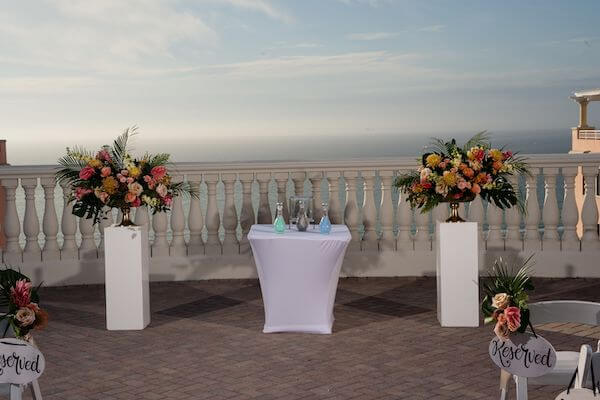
x: 298, y: 273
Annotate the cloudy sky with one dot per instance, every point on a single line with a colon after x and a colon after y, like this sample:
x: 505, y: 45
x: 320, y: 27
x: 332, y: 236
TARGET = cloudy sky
x: 202, y: 73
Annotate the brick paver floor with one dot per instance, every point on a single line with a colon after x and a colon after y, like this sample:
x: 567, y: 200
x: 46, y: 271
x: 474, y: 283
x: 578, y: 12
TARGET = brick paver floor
x: 205, y: 342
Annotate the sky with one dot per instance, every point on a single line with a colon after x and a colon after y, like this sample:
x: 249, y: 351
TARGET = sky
x: 213, y: 80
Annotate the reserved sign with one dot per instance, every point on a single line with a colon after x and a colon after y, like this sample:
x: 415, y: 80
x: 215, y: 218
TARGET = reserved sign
x: 523, y: 355
x: 20, y: 362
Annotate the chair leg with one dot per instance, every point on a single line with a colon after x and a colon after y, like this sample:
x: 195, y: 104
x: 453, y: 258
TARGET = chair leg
x: 504, y: 379
x: 15, y: 392
x: 521, y: 384
x: 36, y: 393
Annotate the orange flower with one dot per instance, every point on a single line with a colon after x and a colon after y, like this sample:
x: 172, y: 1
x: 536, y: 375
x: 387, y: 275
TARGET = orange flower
x: 497, y: 165
x: 110, y: 185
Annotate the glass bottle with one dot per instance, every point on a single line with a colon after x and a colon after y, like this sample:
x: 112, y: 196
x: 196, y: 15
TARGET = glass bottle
x: 302, y: 221
x: 325, y: 224
x: 279, y: 224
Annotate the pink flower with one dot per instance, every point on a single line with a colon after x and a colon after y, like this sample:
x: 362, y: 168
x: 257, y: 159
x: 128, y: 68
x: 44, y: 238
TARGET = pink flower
x: 457, y: 196
x: 513, y: 318
x: 103, y: 155
x: 168, y: 200
x: 147, y: 178
x: 104, y: 197
x: 501, y: 328
x: 158, y: 172
x: 80, y: 192
x: 25, y: 316
x: 21, y: 293
x: 135, y: 188
x: 130, y: 197
x: 137, y: 202
x: 105, y: 171
x: 462, y: 185
x: 161, y: 190
x: 123, y: 179
x: 130, y: 180
x: 124, y: 172
x: 86, y: 172
x: 507, y: 154
x: 442, y: 165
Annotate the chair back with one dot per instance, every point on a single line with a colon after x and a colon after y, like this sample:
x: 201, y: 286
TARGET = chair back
x: 595, y: 362
x: 579, y: 312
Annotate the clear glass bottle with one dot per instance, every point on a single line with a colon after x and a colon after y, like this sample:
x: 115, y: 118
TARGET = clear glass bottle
x: 325, y: 224
x: 279, y: 224
x: 302, y: 221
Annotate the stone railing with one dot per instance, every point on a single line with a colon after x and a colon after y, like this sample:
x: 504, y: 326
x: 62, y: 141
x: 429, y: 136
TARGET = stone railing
x: 207, y: 237
x: 593, y: 134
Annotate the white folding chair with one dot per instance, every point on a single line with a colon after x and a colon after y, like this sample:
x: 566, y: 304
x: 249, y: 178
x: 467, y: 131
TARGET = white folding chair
x: 566, y: 311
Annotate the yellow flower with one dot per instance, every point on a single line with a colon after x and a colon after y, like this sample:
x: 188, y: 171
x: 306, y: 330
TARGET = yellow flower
x: 433, y: 160
x: 134, y: 171
x: 496, y: 154
x: 95, y: 163
x: 450, y: 178
x: 110, y: 185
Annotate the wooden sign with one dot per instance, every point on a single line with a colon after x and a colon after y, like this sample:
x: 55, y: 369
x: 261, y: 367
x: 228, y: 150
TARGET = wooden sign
x: 523, y: 354
x: 20, y: 362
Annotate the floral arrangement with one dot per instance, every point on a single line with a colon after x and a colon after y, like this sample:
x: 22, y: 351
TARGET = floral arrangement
x: 505, y: 301
x: 452, y: 174
x: 20, y: 298
x: 113, y: 178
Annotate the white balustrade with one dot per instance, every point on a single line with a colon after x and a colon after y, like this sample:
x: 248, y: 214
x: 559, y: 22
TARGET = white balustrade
x: 550, y: 212
x: 281, y: 178
x: 495, y: 239
x: 107, y: 220
x: 315, y: 179
x: 177, y: 246
x: 264, y: 209
x: 31, y: 224
x: 230, y: 221
x: 352, y: 213
x: 12, y: 227
x: 51, y: 250
x: 195, y: 220
x: 405, y: 217
x: 532, y: 221
x: 477, y: 213
x: 570, y: 215
x: 212, y: 221
x: 68, y: 226
x: 387, y: 241
x: 369, y: 211
x: 589, y: 213
x: 247, y: 217
x: 298, y: 178
x: 160, y: 245
x: 422, y: 236
x: 87, y: 248
x: 336, y: 214
x: 513, y: 240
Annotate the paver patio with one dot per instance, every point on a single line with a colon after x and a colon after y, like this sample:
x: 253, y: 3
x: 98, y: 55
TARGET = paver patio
x: 205, y: 342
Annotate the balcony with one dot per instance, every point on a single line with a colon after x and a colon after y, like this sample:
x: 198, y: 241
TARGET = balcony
x: 205, y: 238
x: 590, y: 134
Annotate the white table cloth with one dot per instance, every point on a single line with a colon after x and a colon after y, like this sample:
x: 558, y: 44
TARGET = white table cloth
x: 298, y: 273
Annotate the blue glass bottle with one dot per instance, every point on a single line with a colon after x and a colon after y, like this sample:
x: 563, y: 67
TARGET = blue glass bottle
x: 279, y: 224
x: 325, y: 224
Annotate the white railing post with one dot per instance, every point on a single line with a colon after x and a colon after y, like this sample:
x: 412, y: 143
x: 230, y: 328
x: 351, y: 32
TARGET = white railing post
x: 51, y: 250
x: 87, y: 248
x: 550, y: 212
x: 513, y: 223
x: 298, y: 178
x: 369, y: 211
x: 336, y: 214
x: 422, y: 236
x: 477, y: 214
x: 386, y: 212
x: 107, y: 220
x: 142, y: 216
x: 589, y: 214
x: 351, y: 211
x: 570, y: 215
x: 177, y: 246
x: 195, y: 220
x: 532, y: 233
x: 405, y: 215
x: 230, y: 220
x: 264, y: 209
x: 315, y: 179
x: 494, y: 240
x: 160, y: 245
x: 12, y: 226
x: 281, y: 178
x: 212, y: 221
x: 247, y: 217
x: 68, y: 226
x: 31, y: 224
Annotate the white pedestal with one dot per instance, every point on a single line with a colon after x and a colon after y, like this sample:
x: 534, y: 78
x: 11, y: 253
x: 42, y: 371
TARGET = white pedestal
x: 127, y: 264
x: 457, y: 261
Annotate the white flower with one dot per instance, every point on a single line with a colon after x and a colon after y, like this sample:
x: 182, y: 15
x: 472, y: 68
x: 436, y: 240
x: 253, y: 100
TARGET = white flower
x: 425, y: 172
x: 161, y: 190
x: 135, y: 188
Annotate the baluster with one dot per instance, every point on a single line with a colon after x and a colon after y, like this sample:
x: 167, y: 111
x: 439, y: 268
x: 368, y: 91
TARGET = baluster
x: 315, y: 181
x: 212, y: 221
x: 281, y: 178
x: 589, y: 214
x: 570, y: 215
x: 141, y: 216
x: 87, y: 248
x: 264, y: 209
x: 195, y: 220
x: 513, y: 222
x: 51, y: 250
x: 495, y: 240
x: 370, y: 239
x: 299, y: 178
x: 12, y: 226
x: 247, y: 214
x: 405, y: 217
x: 68, y: 226
x: 477, y: 214
x: 31, y: 224
x: 386, y: 212
x: 160, y: 245
x: 106, y: 221
x: 177, y: 247
x: 440, y: 213
x: 532, y: 233
x: 336, y: 214
x: 351, y: 212
x: 422, y: 237
x: 230, y: 242
x: 550, y: 213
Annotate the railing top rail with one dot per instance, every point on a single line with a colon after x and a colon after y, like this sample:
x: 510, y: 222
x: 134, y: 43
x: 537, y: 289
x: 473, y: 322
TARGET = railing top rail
x: 197, y: 168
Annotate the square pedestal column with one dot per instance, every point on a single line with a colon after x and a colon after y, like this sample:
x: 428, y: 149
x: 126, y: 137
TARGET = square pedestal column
x: 127, y: 270
x: 457, y: 262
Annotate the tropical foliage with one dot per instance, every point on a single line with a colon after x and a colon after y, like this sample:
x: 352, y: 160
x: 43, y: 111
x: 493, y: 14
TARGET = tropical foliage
x: 506, y: 297
x: 113, y: 178
x: 450, y: 173
x: 19, y: 300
